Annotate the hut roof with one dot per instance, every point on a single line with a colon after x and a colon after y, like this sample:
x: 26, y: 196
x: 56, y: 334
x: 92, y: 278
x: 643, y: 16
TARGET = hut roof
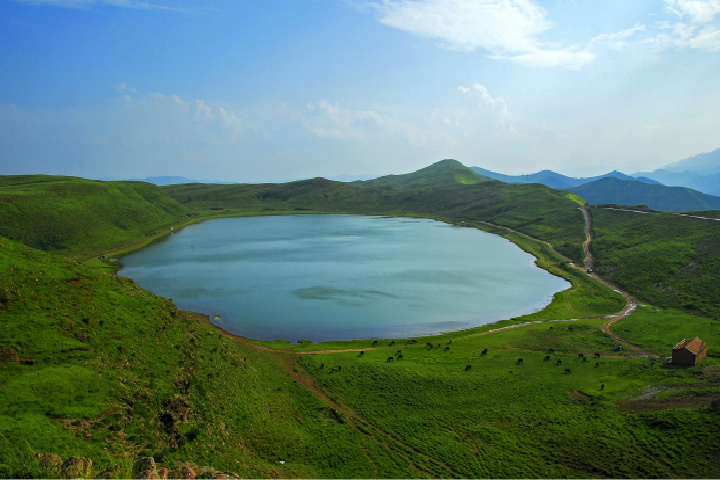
x: 694, y: 345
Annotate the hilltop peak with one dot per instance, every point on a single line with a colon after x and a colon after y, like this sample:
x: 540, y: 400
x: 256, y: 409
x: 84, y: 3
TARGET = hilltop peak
x: 443, y: 172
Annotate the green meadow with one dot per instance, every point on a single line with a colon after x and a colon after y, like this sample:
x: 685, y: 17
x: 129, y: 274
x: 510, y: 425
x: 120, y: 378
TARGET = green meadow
x: 94, y: 366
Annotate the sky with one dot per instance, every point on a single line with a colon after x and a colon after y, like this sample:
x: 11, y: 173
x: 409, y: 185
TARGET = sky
x: 279, y: 90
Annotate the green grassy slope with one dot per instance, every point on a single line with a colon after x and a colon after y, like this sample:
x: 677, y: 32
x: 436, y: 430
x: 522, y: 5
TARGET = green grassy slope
x: 82, y: 217
x: 665, y: 259
x: 120, y: 372
x: 439, y: 173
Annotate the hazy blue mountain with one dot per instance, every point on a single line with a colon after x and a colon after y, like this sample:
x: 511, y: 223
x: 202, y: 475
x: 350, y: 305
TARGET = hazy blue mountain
x: 700, y: 172
x: 556, y: 180
x: 657, y: 197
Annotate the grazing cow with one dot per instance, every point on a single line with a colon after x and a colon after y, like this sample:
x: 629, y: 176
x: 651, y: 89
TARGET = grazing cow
x: 446, y: 349
x: 322, y: 365
x: 390, y: 359
x: 450, y: 341
x: 339, y: 367
x: 559, y: 362
x: 597, y: 355
x: 567, y: 370
x: 412, y: 340
x: 362, y: 352
x: 400, y: 357
x: 392, y: 343
x: 570, y: 328
x: 618, y: 348
x: 519, y: 360
x: 467, y: 367
x: 551, y: 350
x: 399, y: 351
x: 580, y: 355
x: 551, y: 328
x: 602, y: 386
x: 429, y: 344
x: 547, y: 357
x: 438, y: 344
x: 375, y: 343
x: 597, y: 364
x: 584, y: 359
x: 484, y: 352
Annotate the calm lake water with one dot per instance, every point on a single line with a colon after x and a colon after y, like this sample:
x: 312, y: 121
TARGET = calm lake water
x: 342, y: 277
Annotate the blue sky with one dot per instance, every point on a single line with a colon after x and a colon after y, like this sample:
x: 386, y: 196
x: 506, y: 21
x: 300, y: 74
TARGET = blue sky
x: 275, y: 90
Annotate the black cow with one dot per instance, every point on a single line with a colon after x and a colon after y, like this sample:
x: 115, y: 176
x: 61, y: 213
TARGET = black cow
x: 390, y: 359
x: 547, y: 357
x: 519, y: 360
x: 567, y: 370
x: 597, y: 355
x: 559, y: 362
x: 484, y: 352
x: 446, y: 349
x: 467, y: 367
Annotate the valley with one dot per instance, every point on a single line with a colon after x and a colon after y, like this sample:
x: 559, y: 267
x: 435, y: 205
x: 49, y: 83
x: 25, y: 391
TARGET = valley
x: 118, y: 373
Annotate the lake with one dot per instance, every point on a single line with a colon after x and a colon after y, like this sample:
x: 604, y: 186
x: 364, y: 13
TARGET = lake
x: 342, y: 277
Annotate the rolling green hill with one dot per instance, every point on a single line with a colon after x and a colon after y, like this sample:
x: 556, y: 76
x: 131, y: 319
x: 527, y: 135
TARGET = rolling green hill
x: 668, y: 260
x: 444, y: 172
x: 83, y: 217
x: 657, y: 197
x: 92, y: 365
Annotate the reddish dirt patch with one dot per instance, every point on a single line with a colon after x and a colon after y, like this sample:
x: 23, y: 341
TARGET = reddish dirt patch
x: 577, y: 395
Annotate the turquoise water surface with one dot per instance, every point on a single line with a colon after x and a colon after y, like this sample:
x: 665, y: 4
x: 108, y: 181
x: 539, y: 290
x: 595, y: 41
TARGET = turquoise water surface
x: 342, y: 277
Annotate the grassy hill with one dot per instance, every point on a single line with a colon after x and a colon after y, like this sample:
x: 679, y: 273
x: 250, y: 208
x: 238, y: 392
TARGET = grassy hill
x: 82, y: 217
x: 112, y: 372
x: 665, y: 259
x: 92, y: 365
x: 657, y: 197
x: 444, y: 172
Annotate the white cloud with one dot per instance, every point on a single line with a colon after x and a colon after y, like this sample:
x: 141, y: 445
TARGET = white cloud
x: 504, y: 28
x: 697, y: 28
x: 485, y: 106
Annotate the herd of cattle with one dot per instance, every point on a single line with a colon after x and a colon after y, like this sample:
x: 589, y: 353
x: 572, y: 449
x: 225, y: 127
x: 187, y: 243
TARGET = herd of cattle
x: 484, y: 352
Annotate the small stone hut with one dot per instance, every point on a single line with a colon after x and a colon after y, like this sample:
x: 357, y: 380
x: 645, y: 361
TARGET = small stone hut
x: 689, y: 352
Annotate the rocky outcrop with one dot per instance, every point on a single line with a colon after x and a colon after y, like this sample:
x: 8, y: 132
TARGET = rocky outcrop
x: 9, y: 355
x: 142, y: 468
x: 77, y: 467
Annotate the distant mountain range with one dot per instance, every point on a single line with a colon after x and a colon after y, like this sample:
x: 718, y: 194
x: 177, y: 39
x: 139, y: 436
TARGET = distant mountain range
x: 700, y: 172
x: 692, y: 184
x: 556, y: 180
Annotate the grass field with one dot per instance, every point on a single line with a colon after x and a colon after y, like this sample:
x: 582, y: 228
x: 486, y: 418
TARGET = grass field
x: 103, y: 369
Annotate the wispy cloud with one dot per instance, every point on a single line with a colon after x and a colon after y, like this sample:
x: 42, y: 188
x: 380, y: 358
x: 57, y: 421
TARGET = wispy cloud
x: 697, y: 26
